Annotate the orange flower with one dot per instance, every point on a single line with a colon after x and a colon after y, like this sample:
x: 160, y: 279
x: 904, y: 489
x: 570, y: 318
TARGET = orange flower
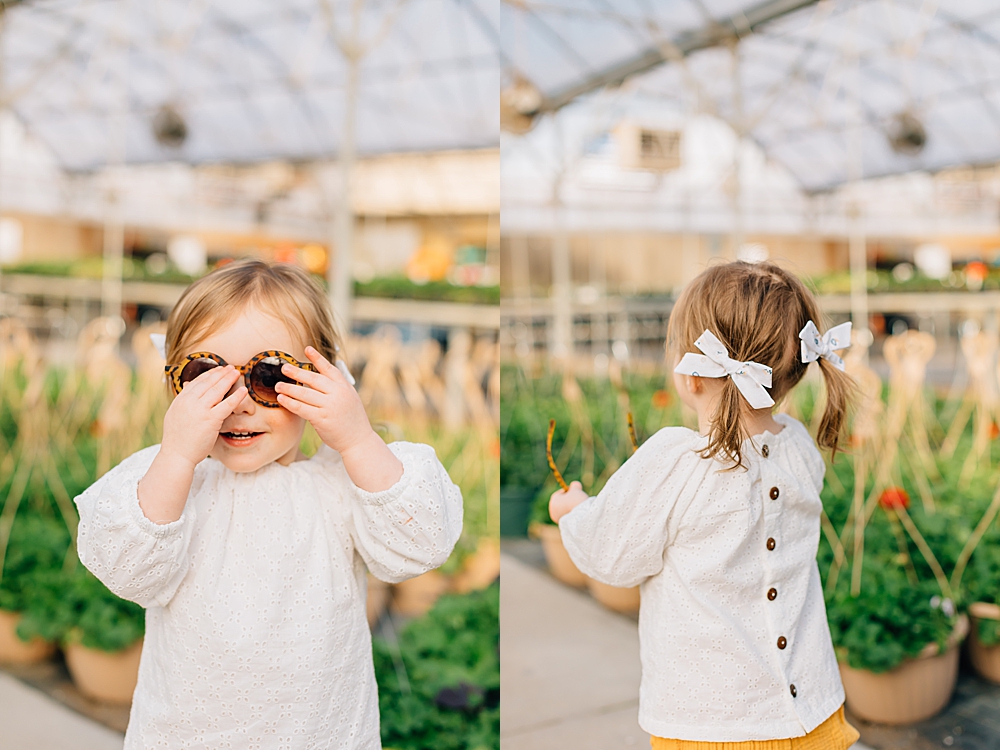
x: 894, y: 497
x: 661, y: 399
x: 994, y: 430
x: 976, y: 270
x: 495, y: 449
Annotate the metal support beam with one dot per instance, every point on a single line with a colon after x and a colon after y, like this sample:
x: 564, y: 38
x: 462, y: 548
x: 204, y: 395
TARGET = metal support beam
x: 712, y: 35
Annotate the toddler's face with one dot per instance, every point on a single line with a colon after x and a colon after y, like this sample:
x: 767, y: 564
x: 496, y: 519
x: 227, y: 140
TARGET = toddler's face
x: 276, y: 433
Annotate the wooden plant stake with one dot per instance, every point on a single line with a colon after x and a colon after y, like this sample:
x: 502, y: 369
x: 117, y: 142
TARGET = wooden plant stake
x: 979, y: 350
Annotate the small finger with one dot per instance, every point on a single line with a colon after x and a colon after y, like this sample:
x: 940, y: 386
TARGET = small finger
x: 309, y: 396
x: 217, y: 390
x: 298, y: 408
x: 314, y: 380
x: 230, y: 402
x: 204, y: 381
x: 323, y: 364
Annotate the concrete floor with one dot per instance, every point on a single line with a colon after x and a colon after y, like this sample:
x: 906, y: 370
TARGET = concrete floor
x: 569, y: 667
x: 31, y: 720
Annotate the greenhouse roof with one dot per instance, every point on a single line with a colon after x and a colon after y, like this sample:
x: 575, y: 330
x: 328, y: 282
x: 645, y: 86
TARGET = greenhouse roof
x: 835, y: 91
x: 249, y: 80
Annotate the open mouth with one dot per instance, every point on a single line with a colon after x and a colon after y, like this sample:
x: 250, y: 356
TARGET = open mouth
x: 240, y: 439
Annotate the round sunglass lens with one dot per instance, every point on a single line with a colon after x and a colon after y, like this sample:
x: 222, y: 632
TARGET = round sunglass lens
x: 196, y: 367
x: 265, y: 375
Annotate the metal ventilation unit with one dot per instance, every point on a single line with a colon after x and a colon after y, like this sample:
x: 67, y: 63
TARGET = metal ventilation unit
x: 645, y: 148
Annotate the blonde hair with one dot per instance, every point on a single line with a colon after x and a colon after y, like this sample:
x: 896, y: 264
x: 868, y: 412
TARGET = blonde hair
x: 281, y: 289
x: 757, y: 311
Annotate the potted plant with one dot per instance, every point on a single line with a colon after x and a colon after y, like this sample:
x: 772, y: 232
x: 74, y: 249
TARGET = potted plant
x: 898, y: 651
x: 557, y: 558
x: 36, y: 544
x: 983, y: 584
x: 100, y: 633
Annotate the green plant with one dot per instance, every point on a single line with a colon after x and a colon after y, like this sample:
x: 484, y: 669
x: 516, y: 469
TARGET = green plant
x: 439, y: 689
x: 400, y: 287
x: 38, y: 545
x: 76, y: 606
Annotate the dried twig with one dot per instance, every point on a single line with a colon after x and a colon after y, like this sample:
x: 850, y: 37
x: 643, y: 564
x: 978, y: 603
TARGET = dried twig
x: 548, y: 453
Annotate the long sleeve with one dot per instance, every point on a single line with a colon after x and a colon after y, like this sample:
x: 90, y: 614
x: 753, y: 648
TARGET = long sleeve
x: 134, y: 557
x: 411, y: 527
x: 618, y: 537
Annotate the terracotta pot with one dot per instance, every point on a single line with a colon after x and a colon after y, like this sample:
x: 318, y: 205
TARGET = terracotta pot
x: 378, y: 599
x: 612, y: 597
x: 985, y: 659
x: 417, y: 595
x: 560, y: 564
x: 15, y: 651
x: 915, y: 690
x: 105, y: 676
x: 481, y: 568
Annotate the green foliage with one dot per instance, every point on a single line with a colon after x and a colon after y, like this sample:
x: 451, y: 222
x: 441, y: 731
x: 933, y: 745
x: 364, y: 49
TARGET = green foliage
x: 880, y: 628
x: 450, y: 696
x: 76, y: 606
x: 400, y: 287
x: 893, y: 619
x: 529, y: 404
x: 38, y: 546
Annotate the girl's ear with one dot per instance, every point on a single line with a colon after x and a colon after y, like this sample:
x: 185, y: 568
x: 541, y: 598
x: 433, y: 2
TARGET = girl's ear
x: 694, y: 383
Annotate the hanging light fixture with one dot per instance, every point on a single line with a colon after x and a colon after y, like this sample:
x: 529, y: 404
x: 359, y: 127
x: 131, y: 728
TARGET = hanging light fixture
x: 169, y: 127
x: 907, y: 134
x: 519, y: 103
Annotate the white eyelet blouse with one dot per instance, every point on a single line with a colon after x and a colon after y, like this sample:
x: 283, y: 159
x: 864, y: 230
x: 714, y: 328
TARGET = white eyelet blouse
x: 734, y: 641
x: 256, y: 634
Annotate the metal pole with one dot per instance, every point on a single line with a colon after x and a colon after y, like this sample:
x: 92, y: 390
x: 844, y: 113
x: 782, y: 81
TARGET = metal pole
x: 114, y: 225
x: 339, y: 274
x: 857, y: 239
x: 561, y: 342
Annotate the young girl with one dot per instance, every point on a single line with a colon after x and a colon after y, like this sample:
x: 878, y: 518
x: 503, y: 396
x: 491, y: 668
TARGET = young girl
x: 720, y: 527
x: 249, y: 557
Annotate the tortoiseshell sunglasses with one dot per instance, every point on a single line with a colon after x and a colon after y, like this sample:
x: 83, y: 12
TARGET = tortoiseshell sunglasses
x: 260, y: 374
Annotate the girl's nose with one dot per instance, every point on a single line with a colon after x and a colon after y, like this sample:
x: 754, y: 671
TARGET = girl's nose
x: 246, y: 404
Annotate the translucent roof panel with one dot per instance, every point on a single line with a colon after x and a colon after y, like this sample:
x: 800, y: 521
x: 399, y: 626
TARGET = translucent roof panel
x: 834, y: 91
x: 252, y: 80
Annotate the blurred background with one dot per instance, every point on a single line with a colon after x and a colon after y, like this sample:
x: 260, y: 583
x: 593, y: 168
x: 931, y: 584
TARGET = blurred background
x: 143, y: 145
x: 854, y: 142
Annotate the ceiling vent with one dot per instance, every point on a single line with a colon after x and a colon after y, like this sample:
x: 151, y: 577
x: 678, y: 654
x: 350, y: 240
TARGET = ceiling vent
x: 645, y: 148
x: 169, y: 127
x: 907, y: 134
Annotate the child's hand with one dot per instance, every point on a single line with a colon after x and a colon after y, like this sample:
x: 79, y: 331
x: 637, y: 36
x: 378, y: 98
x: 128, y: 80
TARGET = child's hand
x: 330, y: 403
x: 192, y: 423
x: 563, y: 501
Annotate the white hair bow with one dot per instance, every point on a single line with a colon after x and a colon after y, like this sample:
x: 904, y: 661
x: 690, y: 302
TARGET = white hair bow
x: 749, y: 377
x: 815, y: 346
x: 160, y: 343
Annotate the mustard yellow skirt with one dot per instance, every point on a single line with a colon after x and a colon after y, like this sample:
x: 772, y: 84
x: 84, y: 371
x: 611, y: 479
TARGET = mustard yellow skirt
x: 833, y: 734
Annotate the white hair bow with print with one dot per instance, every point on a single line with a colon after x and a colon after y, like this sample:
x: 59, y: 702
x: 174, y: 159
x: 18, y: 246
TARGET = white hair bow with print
x: 749, y: 377
x: 815, y: 346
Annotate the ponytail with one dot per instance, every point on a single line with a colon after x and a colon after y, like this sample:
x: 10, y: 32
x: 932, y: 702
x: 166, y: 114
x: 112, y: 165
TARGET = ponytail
x: 728, y: 430
x: 839, y: 389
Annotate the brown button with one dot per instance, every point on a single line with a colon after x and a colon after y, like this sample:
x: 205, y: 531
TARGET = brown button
x: 774, y: 493
x: 781, y: 639
x: 770, y: 543
x: 794, y: 691
x: 772, y: 594
x: 765, y: 450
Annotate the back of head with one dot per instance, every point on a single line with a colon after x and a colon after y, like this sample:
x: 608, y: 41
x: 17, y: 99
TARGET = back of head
x: 279, y: 289
x: 756, y: 310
